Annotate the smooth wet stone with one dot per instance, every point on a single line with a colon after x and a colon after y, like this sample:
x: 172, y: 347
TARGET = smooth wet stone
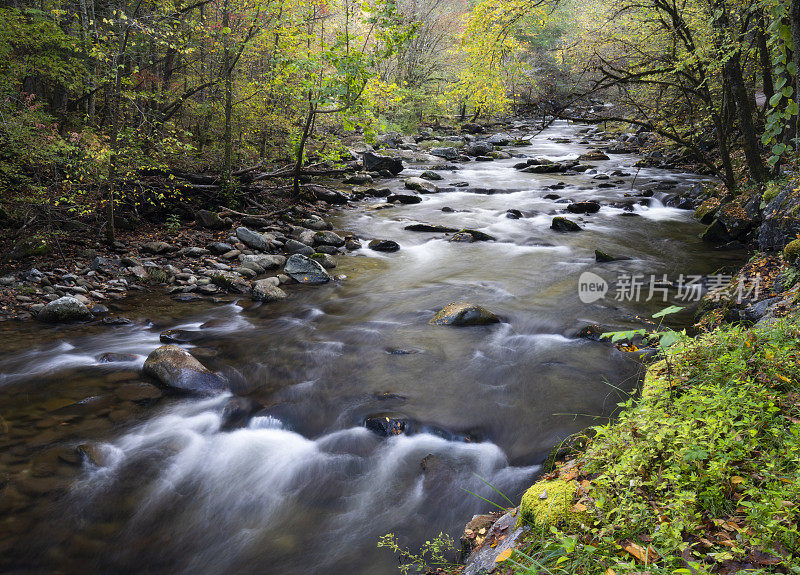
x: 305, y: 270
x: 264, y: 261
x: 252, y: 239
x: 295, y: 247
x: 421, y: 185
x: 385, y: 426
x: 403, y: 199
x: 179, y: 336
x: 64, y: 309
x: 177, y: 370
x: 430, y: 228
x: 464, y: 314
x: 564, y: 225
x: 266, y: 290
x: 327, y: 238
x: 237, y: 412
x: 384, y: 245
x: 112, y: 357
x: 583, y: 208
x: 470, y: 236
x: 376, y: 162
x: 602, y: 257
x: 157, y: 248
x: 325, y: 260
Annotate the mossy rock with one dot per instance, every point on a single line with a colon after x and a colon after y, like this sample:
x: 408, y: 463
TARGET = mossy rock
x: 28, y: 248
x: 772, y: 191
x: 792, y: 251
x: 706, y: 211
x: 550, y: 503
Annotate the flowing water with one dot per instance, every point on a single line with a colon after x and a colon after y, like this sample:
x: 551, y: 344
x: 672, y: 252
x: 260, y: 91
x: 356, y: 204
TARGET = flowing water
x: 305, y: 488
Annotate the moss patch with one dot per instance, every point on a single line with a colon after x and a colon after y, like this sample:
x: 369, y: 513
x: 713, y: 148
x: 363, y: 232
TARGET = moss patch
x: 550, y: 503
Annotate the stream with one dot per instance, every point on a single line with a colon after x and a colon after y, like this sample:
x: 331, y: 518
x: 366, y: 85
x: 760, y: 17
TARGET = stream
x: 304, y: 487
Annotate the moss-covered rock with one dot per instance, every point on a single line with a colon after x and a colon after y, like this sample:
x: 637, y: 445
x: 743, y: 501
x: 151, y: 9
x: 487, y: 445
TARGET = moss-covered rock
x: 550, y: 503
x: 792, y: 251
x: 461, y: 314
x: 706, y: 211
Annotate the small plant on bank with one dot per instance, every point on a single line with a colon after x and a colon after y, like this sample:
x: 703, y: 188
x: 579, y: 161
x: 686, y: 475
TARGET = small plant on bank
x: 173, y: 222
x: 432, y: 555
x: 657, y: 338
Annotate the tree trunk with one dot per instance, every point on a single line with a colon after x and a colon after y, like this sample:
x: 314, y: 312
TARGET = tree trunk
x: 794, y: 16
x: 227, y: 163
x: 114, y: 136
x: 724, y: 152
x: 301, y: 146
x: 764, y: 59
x: 750, y: 141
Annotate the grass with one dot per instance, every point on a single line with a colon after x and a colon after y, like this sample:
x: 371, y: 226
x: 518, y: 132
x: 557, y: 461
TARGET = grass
x: 699, y: 475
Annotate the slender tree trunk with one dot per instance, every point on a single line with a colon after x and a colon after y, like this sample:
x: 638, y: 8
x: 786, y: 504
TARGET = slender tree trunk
x: 765, y: 62
x: 750, y: 141
x: 794, y: 16
x: 114, y: 136
x: 227, y: 137
x: 724, y: 152
x: 301, y: 146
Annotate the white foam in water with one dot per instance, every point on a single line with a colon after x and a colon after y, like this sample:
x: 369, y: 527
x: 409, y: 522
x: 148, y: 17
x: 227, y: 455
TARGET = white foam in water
x: 243, y: 484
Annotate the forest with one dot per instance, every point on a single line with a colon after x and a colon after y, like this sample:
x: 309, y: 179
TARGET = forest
x: 304, y: 287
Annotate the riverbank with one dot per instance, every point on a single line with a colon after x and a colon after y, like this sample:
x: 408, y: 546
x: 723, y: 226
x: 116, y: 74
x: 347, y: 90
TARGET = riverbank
x: 699, y: 472
x: 698, y: 475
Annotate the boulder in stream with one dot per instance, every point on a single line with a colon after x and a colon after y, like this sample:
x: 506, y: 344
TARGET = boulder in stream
x: 305, y: 270
x: 420, y: 185
x: 177, y: 370
x: 375, y: 163
x: 464, y: 314
x: 384, y: 245
x: 64, y: 309
x: 564, y: 225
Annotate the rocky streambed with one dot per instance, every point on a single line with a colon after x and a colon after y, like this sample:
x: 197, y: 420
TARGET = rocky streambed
x: 313, y: 396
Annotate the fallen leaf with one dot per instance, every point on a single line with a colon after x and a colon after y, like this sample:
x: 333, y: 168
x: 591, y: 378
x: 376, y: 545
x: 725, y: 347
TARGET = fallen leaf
x: 736, y: 480
x: 579, y: 508
x: 610, y: 571
x: 648, y: 555
x: 504, y: 555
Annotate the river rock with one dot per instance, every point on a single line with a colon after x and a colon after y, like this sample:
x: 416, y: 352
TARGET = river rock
x: 592, y: 157
x: 448, y: 153
x: 157, y: 248
x: 479, y: 149
x: 403, y: 199
x: 64, y: 309
x: 602, y: 257
x: 503, y: 535
x: 265, y: 290
x: 501, y: 139
x: 375, y: 163
x: 252, y: 239
x: 237, y: 412
x: 325, y: 260
x: 564, y: 225
x: 305, y: 270
x: 177, y: 370
x: 431, y: 175
x: 138, y: 392
x: 264, y: 261
x: 295, y: 247
x: 211, y: 220
x: 583, y: 208
x: 327, y: 238
x: 781, y: 222
x: 384, y: 245
x: 420, y: 185
x: 385, y: 426
x: 179, y: 336
x: 464, y: 314
x: 430, y: 228
x: 472, y: 128
x: 470, y: 236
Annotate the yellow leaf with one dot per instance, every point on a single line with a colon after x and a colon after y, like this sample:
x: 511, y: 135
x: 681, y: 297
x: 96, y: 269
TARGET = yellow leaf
x: 736, y: 480
x: 579, y: 508
x: 610, y: 571
x: 504, y: 555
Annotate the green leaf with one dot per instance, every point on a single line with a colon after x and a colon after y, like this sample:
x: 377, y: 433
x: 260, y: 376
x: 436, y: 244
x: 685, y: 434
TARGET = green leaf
x: 668, y: 339
x: 668, y: 311
x: 775, y: 99
x: 778, y: 149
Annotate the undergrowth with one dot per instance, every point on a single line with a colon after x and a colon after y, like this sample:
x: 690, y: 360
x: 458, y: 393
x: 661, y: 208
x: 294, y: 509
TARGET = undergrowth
x: 699, y: 475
